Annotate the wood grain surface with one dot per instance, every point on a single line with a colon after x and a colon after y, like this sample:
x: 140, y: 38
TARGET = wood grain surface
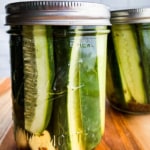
x: 5, y: 107
x: 122, y: 131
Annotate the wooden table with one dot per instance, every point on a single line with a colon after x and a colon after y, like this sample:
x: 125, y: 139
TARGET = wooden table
x: 122, y: 131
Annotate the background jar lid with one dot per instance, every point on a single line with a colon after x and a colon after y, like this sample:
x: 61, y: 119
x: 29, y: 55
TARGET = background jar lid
x: 138, y: 15
x: 57, y: 13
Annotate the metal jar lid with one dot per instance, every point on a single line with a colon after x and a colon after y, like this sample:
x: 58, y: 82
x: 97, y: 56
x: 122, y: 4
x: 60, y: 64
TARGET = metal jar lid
x: 57, y: 13
x: 139, y: 15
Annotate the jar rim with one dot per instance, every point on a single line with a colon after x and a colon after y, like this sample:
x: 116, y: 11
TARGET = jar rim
x: 135, y: 15
x: 57, y: 13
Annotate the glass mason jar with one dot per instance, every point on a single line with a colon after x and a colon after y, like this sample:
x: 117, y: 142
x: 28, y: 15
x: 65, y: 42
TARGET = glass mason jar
x: 58, y: 68
x: 128, y: 71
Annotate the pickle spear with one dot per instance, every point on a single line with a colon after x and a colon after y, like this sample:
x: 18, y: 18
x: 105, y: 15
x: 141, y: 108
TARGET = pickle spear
x: 38, y: 77
x: 129, y: 62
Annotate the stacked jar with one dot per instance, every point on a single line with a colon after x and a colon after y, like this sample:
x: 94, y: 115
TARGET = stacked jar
x: 128, y: 71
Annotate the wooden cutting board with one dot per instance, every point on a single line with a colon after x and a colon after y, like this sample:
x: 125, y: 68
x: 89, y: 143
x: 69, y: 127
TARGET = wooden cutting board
x: 5, y: 107
x: 122, y: 131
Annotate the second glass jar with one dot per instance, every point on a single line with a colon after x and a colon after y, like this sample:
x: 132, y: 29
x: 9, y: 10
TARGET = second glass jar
x: 128, y: 70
